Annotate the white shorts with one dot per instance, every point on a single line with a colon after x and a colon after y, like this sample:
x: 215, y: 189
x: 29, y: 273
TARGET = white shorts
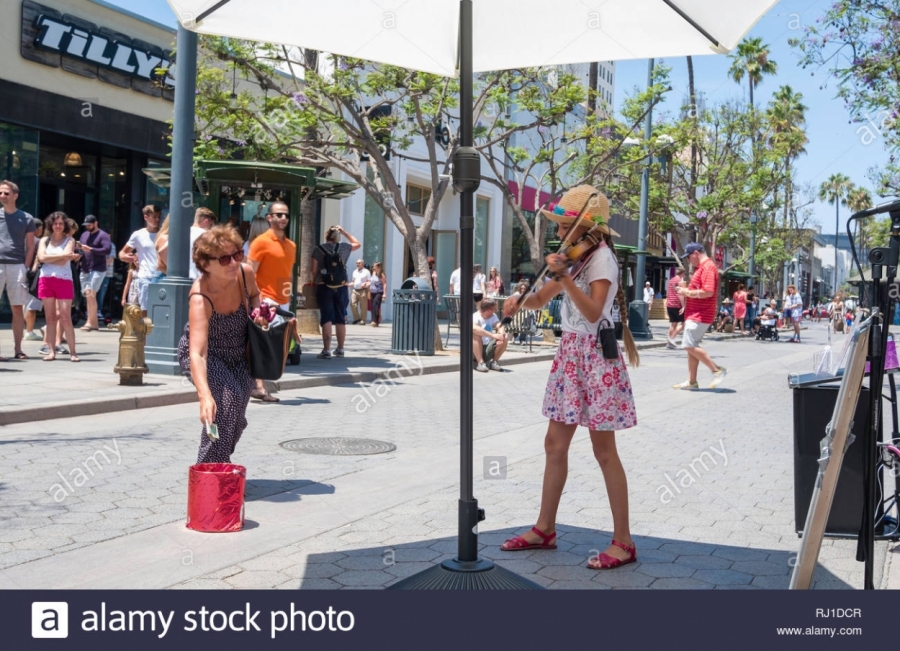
x: 13, y: 277
x: 34, y: 304
x: 693, y: 333
x: 92, y: 280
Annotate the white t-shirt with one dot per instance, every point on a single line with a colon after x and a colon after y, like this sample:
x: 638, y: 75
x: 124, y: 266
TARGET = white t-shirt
x: 478, y: 284
x: 795, y: 303
x: 193, y: 272
x: 360, y: 277
x: 456, y: 281
x: 602, y: 266
x: 144, y: 243
x: 62, y: 270
x: 487, y: 324
x: 648, y: 294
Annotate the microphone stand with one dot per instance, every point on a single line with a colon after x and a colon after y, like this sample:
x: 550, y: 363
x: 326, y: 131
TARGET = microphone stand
x: 883, y: 260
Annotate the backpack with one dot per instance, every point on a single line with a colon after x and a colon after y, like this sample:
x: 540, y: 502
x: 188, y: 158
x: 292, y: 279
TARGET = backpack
x: 334, y: 273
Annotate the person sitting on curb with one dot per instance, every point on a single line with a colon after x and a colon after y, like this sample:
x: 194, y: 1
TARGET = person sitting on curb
x: 488, y: 344
x: 725, y: 318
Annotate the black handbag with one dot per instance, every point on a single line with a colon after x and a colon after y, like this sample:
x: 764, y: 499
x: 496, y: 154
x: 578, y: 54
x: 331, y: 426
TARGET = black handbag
x: 606, y: 340
x: 267, y: 347
x: 33, y: 275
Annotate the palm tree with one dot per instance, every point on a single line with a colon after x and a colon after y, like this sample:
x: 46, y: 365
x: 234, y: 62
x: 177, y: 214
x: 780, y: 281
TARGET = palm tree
x: 752, y: 59
x: 835, y: 190
x: 859, y: 199
x: 787, y: 117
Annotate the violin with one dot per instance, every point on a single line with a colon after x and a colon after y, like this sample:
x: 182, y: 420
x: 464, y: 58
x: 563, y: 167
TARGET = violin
x: 576, y: 253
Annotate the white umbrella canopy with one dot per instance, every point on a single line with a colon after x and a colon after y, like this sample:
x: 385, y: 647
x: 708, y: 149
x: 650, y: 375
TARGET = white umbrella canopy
x: 424, y: 34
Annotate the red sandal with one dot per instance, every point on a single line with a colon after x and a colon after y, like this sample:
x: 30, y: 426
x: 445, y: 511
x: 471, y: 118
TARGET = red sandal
x: 606, y: 562
x: 518, y: 543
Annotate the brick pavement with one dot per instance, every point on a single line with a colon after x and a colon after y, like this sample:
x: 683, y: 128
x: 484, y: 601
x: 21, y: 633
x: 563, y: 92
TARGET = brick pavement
x: 316, y: 522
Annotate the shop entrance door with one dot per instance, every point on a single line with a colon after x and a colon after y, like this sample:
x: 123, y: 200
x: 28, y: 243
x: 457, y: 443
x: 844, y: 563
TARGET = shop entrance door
x: 76, y: 202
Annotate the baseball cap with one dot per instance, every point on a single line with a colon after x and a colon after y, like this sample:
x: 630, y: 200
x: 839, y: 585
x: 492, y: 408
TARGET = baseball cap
x: 693, y: 247
x: 90, y: 219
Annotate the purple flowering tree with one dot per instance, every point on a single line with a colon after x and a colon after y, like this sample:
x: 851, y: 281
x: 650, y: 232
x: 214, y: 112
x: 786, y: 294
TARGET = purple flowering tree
x: 856, y: 45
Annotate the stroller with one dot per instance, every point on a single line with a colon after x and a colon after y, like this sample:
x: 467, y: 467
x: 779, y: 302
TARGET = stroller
x: 767, y: 331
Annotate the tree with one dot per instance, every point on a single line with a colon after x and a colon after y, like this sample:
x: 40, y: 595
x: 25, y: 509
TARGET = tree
x: 751, y: 59
x: 857, y: 45
x: 356, y: 116
x: 835, y: 190
x: 787, y: 116
x: 859, y: 199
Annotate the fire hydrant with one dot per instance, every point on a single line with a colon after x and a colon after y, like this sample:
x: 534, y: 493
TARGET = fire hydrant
x: 134, y: 328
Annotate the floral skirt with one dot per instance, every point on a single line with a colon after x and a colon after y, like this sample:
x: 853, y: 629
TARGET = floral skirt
x: 587, y: 389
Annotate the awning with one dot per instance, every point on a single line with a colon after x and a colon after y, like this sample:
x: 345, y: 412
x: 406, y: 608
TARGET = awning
x: 738, y: 274
x: 260, y: 176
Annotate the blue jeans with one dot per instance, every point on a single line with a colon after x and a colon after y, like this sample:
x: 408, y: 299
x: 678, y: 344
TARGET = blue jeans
x: 102, y: 294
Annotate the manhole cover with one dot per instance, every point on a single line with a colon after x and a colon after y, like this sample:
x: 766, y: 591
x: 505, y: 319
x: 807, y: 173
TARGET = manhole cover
x: 338, y: 446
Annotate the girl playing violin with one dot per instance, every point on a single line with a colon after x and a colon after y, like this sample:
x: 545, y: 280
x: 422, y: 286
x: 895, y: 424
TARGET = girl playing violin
x: 585, y: 388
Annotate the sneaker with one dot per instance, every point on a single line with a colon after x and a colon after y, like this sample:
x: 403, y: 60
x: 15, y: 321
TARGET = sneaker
x: 687, y: 385
x: 481, y: 368
x: 671, y: 342
x: 62, y: 350
x: 494, y: 366
x: 45, y: 350
x: 338, y: 352
x: 33, y: 336
x: 718, y: 377
x: 325, y: 354
x: 671, y: 346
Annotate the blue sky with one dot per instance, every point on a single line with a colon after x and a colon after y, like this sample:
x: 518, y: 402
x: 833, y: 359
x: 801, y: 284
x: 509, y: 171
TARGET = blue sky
x: 835, y: 145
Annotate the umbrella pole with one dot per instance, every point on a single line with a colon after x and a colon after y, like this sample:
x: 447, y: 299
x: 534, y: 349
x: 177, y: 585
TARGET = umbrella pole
x: 466, y: 571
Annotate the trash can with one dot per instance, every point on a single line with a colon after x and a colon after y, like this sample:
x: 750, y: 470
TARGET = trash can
x: 813, y: 408
x: 415, y: 316
x: 216, y: 497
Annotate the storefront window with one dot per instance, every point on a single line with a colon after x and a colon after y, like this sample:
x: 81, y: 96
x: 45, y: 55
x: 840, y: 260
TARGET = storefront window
x: 521, y: 267
x: 113, y: 205
x: 157, y: 195
x: 373, y: 230
x: 19, y: 161
x: 67, y: 166
x: 482, y: 212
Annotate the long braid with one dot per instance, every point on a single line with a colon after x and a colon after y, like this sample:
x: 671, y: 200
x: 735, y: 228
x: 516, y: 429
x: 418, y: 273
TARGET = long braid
x: 631, y: 350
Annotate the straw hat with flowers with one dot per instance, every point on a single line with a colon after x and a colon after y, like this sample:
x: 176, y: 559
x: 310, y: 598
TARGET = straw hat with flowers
x: 569, y: 207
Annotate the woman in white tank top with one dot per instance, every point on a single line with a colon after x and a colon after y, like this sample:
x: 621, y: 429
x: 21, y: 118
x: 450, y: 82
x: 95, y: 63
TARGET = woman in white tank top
x: 55, y: 287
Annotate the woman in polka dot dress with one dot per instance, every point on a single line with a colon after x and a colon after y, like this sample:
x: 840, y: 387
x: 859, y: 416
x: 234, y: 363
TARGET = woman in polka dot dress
x: 213, y: 348
x: 587, y: 387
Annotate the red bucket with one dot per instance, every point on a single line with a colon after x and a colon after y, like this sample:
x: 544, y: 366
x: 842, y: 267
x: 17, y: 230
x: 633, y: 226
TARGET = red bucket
x: 216, y: 497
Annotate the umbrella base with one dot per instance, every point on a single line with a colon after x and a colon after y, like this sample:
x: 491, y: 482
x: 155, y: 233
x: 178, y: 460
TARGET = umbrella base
x: 465, y: 575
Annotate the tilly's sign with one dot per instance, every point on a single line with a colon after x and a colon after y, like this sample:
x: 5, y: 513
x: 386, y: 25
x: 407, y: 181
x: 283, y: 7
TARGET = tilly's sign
x: 84, y: 48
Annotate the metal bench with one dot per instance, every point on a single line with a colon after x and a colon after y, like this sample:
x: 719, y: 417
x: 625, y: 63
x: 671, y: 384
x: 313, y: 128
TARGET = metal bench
x: 524, y: 323
x: 451, y: 302
x: 554, y: 312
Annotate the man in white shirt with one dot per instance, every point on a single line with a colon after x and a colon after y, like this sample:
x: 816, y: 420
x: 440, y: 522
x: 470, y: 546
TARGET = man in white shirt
x: 204, y: 219
x: 488, y: 344
x: 359, y: 299
x: 648, y: 295
x: 141, y: 249
x: 456, y: 282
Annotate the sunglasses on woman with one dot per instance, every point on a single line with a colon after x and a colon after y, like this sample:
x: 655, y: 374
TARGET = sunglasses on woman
x: 225, y: 260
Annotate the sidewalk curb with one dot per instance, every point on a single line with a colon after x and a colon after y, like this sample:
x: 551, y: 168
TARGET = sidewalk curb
x: 51, y: 411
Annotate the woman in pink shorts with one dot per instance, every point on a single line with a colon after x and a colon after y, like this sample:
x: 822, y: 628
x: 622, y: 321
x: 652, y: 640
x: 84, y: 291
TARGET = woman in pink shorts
x: 56, y: 287
x: 587, y: 386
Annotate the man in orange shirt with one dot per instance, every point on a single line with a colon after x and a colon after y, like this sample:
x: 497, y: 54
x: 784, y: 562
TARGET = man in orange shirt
x: 272, y: 256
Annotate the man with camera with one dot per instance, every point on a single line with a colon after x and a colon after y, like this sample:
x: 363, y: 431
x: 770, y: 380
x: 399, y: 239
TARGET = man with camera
x: 329, y: 272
